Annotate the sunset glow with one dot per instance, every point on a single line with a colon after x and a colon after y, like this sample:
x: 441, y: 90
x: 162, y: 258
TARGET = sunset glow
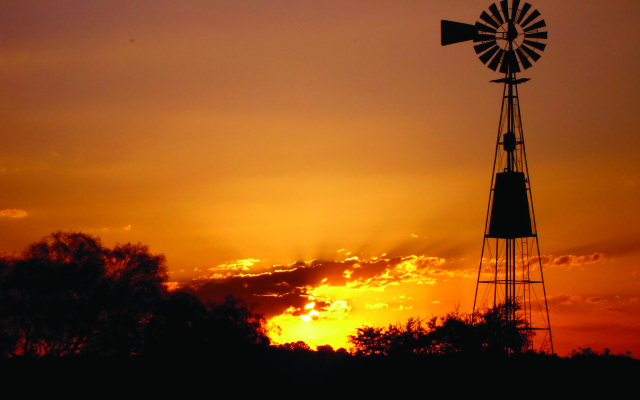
x: 328, y: 162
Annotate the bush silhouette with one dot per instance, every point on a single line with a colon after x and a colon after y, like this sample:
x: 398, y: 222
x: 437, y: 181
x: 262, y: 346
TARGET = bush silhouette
x: 454, y: 333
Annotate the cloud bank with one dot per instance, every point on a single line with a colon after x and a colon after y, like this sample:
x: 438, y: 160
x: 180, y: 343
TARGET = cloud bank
x: 287, y: 289
x: 13, y: 213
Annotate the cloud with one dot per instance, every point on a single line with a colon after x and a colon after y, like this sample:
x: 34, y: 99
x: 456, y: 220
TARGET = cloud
x: 607, y: 310
x: 562, y: 260
x: 568, y: 260
x: 563, y: 298
x: 127, y: 228
x: 377, y: 305
x: 435, y: 302
x: 171, y: 286
x: 13, y: 213
x: 545, y: 260
x: 316, y: 310
x: 280, y: 287
x: 571, y: 260
x: 237, y: 265
x: 595, y: 300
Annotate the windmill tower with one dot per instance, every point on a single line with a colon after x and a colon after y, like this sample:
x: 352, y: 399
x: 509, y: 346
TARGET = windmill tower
x: 510, y: 271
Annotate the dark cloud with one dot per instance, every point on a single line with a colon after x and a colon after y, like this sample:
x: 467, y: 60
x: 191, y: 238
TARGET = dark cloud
x: 568, y: 260
x: 290, y: 287
x: 607, y: 310
x: 563, y: 260
x: 595, y: 300
x: 544, y: 259
x: 563, y: 298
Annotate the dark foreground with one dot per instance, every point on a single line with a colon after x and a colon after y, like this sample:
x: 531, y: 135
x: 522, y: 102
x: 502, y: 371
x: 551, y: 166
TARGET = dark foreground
x: 275, y: 370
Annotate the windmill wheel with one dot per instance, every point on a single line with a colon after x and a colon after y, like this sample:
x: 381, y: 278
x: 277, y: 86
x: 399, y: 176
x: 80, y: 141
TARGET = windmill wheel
x: 509, y: 36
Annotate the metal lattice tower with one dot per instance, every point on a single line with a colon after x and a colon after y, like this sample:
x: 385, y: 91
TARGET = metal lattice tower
x: 510, y: 271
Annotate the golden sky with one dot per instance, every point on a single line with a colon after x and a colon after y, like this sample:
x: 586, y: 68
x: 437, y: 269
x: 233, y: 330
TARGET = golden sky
x: 247, y: 137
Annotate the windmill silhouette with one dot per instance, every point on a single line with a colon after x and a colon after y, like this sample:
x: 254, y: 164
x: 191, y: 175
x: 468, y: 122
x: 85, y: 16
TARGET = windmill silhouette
x: 510, y: 271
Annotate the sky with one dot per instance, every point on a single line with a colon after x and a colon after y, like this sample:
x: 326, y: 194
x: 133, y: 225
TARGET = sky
x: 325, y: 152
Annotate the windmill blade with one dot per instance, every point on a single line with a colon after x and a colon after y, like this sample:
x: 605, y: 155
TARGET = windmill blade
x: 456, y: 32
x: 535, y: 56
x: 483, y: 38
x: 536, y: 35
x: 530, y: 18
x: 524, y: 11
x: 509, y: 63
x: 537, y: 25
x: 504, y: 66
x: 537, y: 45
x: 514, y: 9
x: 523, y: 59
x: 483, y: 28
x: 479, y: 48
x: 486, y: 18
x: 494, y: 11
x: 487, y: 56
x: 513, y: 62
x: 496, y: 60
x: 504, y: 5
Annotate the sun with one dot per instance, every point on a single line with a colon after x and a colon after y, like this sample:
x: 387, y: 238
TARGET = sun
x: 313, y: 313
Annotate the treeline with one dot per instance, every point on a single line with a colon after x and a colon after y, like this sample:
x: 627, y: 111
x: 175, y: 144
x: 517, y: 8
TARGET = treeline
x: 71, y: 307
x: 68, y: 295
x: 483, y: 333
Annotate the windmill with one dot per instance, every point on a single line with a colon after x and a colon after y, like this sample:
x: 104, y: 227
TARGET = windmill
x: 509, y: 40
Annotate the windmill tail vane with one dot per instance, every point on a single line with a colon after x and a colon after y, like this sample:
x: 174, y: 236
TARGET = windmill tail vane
x: 508, y: 39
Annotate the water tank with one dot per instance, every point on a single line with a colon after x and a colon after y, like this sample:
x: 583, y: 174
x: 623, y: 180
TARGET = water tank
x: 510, y: 216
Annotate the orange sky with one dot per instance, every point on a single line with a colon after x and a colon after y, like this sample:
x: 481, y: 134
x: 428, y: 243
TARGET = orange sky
x: 285, y: 131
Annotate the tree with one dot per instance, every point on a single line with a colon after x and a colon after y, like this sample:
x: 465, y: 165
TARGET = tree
x: 396, y: 339
x: 454, y: 333
x: 498, y: 336
x: 237, y: 325
x: 368, y: 340
x: 461, y: 333
x: 182, y: 325
x: 132, y: 291
x: 296, y: 346
x: 179, y: 326
x: 68, y: 294
x: 324, y: 349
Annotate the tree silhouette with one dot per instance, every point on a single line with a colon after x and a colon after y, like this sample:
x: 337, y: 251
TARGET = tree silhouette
x: 296, y: 346
x: 178, y: 326
x: 499, y: 336
x: 324, y: 349
x: 182, y: 326
x: 455, y: 333
x: 67, y: 294
x: 396, y: 339
x: 369, y: 340
x: 236, y: 325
